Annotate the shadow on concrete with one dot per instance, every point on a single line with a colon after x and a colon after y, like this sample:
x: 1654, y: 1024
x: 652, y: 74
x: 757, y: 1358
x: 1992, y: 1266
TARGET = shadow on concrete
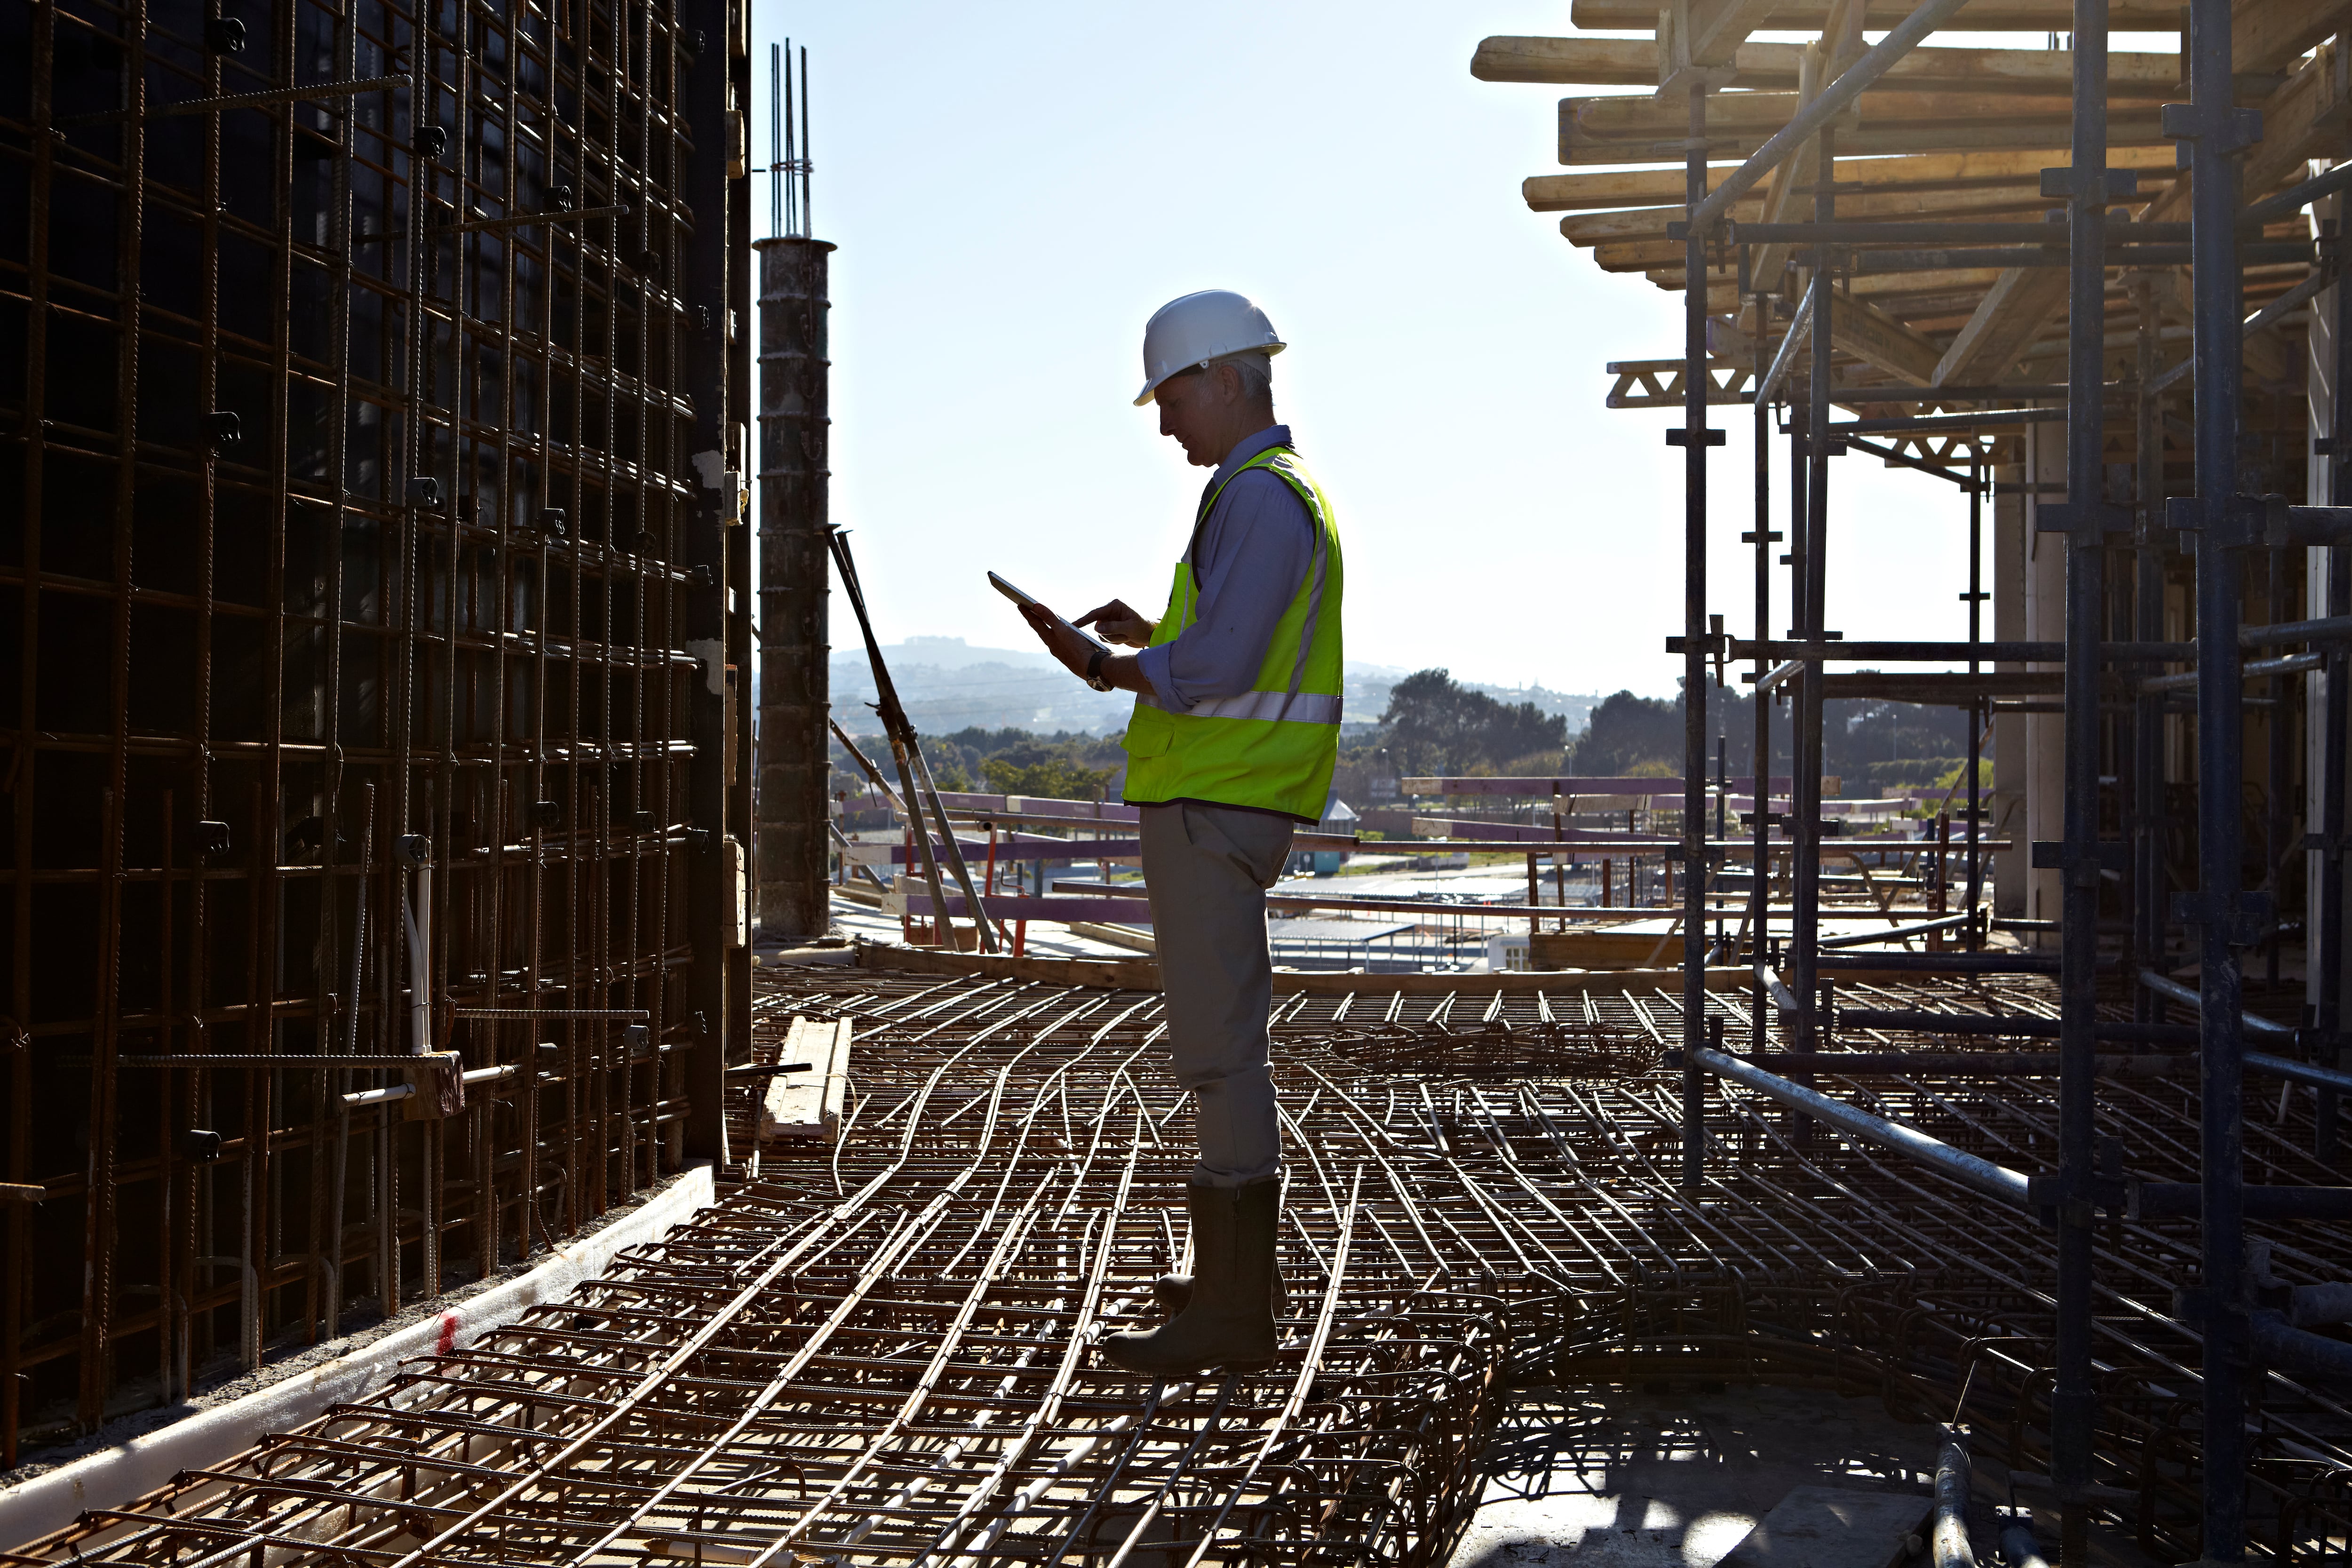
x: 1622, y: 1479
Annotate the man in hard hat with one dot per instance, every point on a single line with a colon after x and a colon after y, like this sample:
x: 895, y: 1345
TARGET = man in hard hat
x: 1236, y: 730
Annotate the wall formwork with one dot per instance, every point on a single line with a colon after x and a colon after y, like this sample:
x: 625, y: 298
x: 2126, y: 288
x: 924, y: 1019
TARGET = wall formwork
x: 371, y: 584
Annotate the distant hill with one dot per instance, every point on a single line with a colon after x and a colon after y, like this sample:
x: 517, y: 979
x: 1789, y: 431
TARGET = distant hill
x: 948, y: 684
x: 945, y: 653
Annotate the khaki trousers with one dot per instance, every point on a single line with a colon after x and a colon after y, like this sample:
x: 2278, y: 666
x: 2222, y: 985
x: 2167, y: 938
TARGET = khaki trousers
x: 1208, y: 867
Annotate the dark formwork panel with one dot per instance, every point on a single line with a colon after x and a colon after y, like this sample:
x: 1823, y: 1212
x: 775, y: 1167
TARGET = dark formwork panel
x: 367, y: 474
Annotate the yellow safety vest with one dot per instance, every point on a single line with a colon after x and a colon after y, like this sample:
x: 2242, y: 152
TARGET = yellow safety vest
x: 1273, y: 746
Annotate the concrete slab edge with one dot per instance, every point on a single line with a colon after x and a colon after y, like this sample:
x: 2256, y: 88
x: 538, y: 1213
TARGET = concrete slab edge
x: 114, y: 1477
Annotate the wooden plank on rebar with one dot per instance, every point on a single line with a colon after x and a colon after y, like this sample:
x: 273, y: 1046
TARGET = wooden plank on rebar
x: 807, y: 1105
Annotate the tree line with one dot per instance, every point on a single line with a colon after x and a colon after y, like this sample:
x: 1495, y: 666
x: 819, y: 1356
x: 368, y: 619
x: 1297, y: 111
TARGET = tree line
x: 1434, y: 725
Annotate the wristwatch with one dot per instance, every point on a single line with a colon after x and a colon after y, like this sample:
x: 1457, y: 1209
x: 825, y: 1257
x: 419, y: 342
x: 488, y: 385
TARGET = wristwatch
x: 1094, y: 670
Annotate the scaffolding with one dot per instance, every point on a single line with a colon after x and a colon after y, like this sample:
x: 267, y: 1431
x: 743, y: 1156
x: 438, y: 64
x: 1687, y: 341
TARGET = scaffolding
x: 1945, y: 268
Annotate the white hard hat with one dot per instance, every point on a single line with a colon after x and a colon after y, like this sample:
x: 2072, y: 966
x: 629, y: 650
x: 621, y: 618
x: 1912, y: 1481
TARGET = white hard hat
x: 1197, y: 328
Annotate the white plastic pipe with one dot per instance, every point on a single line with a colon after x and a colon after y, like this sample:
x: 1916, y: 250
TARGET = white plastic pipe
x: 403, y: 1091
x: 419, y: 912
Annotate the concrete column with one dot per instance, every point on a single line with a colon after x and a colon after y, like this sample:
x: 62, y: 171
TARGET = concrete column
x: 790, y: 841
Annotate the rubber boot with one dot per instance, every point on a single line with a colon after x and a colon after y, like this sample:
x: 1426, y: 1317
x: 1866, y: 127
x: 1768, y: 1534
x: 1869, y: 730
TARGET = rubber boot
x: 1172, y: 1290
x: 1228, y: 1319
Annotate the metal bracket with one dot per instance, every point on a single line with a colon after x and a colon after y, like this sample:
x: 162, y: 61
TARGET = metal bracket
x: 2105, y: 185
x: 2225, y: 130
x: 2099, y: 187
x: 1714, y: 644
x: 2087, y: 521
x: 2107, y: 855
x: 2255, y: 518
x: 2245, y: 917
x: 1682, y: 437
x: 2245, y: 518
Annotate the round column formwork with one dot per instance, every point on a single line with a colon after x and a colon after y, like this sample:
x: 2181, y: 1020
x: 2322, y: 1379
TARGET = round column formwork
x: 789, y: 810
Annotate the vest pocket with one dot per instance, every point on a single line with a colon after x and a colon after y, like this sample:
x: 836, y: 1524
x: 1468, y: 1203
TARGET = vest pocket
x: 1149, y: 732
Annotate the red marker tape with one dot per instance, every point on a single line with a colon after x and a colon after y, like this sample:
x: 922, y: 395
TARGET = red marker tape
x: 448, y: 1340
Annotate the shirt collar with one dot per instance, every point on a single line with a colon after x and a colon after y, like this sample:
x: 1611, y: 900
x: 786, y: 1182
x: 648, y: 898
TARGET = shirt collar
x: 1248, y: 447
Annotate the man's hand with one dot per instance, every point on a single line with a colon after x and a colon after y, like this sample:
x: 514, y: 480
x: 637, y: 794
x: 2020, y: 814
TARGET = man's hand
x: 1075, y: 652
x: 1119, y: 624
x: 1064, y: 644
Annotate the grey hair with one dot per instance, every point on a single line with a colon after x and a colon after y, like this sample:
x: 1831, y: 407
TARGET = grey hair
x: 1256, y: 368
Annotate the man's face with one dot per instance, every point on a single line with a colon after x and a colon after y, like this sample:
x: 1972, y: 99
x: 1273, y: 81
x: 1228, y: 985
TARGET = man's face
x: 1192, y: 410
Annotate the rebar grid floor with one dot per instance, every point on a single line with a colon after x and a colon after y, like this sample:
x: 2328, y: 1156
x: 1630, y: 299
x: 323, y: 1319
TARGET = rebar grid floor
x: 880, y: 1352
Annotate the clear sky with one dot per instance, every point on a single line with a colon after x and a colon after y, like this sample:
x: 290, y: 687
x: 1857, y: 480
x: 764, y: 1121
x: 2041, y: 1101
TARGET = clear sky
x: 1016, y: 188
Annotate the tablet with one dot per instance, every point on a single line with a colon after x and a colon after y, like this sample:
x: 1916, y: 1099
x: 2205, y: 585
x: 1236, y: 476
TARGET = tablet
x: 1018, y: 597
x: 1009, y: 590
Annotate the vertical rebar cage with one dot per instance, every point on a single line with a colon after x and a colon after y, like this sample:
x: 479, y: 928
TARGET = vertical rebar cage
x: 363, y: 424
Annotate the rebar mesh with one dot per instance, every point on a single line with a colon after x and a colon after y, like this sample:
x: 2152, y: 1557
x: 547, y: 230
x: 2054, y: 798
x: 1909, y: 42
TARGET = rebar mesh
x: 877, y: 1350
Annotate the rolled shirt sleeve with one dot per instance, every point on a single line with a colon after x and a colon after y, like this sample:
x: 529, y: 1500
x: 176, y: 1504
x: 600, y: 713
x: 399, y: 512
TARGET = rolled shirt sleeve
x: 1252, y: 552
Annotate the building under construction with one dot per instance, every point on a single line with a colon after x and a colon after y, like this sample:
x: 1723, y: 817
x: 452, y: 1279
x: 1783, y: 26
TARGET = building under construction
x: 386, y: 865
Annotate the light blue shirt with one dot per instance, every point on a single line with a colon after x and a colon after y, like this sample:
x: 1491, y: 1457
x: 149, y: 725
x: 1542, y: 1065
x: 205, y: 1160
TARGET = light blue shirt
x: 1249, y: 556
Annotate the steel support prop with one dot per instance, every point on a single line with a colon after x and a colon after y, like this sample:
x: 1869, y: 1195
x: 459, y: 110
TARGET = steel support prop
x: 1811, y: 582
x: 1759, y: 880
x: 2085, y: 518
x: 1976, y: 596
x: 2218, y: 132
x: 2148, y: 881
x: 1696, y: 436
x: 2323, y: 935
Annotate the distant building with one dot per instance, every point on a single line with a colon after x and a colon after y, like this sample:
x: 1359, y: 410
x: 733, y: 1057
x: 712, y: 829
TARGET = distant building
x: 1339, y: 816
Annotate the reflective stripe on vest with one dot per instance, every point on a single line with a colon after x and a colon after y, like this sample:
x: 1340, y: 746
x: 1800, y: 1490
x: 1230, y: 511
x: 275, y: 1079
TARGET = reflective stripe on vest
x: 1273, y: 747
x: 1283, y: 706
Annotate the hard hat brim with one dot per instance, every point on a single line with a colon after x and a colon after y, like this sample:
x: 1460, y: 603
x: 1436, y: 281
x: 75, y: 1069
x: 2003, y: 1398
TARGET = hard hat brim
x: 1270, y: 350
